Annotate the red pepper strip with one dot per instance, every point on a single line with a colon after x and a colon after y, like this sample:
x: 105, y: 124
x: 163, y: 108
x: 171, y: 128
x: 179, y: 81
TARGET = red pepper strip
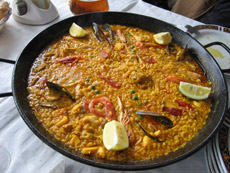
x: 86, y: 106
x: 109, y: 81
x: 155, y: 45
x: 108, y: 107
x: 139, y: 44
x: 150, y: 60
x: 173, y: 111
x: 68, y: 59
x: 174, y: 79
x: 184, y: 104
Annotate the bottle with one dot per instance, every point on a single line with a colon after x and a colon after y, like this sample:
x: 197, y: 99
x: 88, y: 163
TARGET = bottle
x: 85, y: 6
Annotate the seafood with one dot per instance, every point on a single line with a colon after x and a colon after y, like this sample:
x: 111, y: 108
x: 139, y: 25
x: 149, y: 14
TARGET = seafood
x: 100, y: 35
x: 108, y: 107
x: 125, y: 120
x: 147, y: 133
x: 98, y: 32
x: 59, y: 88
x: 108, y: 28
x: 163, y: 119
x: 121, y: 35
x: 181, y: 55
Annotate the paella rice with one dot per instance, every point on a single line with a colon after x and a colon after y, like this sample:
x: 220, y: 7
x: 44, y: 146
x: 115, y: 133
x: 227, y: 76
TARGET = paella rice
x: 77, y: 85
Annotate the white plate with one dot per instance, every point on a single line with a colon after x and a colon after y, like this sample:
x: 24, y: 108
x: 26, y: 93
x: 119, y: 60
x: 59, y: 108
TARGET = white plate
x: 228, y: 141
x: 217, y: 154
x: 212, y: 157
x: 213, y: 33
x: 227, y: 122
x: 208, y: 157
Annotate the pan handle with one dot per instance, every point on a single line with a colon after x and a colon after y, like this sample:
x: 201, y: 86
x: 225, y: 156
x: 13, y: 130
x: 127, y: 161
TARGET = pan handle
x: 9, y: 62
x: 222, y: 45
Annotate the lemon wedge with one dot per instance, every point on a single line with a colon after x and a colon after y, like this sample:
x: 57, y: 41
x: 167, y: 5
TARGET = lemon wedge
x: 195, y: 92
x: 77, y: 31
x: 163, y: 38
x: 115, y: 137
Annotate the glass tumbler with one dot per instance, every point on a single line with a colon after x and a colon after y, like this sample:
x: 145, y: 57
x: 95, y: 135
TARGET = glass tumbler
x: 85, y: 6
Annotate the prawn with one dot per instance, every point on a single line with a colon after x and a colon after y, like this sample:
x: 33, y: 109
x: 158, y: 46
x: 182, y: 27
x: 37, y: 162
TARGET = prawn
x: 125, y: 120
x: 108, y: 107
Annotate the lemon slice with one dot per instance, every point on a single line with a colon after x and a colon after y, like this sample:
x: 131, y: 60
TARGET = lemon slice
x: 115, y: 137
x: 163, y: 38
x: 77, y: 31
x: 195, y: 92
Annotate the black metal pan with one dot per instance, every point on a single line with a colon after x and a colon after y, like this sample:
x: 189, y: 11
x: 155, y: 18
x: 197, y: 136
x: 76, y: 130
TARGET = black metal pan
x: 207, y: 62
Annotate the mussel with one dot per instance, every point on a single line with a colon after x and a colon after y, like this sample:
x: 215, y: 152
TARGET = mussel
x: 59, y: 88
x: 183, y: 54
x: 171, y: 49
x: 47, y: 106
x: 164, y: 120
x: 99, y: 34
x: 108, y: 28
x: 147, y: 133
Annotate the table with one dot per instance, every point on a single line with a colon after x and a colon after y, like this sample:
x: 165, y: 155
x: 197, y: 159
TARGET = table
x: 28, y: 153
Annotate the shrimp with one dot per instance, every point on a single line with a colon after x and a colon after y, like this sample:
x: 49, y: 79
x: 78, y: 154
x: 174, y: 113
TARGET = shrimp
x: 125, y: 120
x: 121, y: 35
x: 108, y: 107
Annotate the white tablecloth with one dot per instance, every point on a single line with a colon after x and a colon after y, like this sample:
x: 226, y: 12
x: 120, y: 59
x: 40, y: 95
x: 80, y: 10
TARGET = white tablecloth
x: 30, y: 154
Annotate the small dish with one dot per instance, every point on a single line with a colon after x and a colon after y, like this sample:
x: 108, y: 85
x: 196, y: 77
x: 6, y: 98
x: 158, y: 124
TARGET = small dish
x: 213, y: 158
x: 227, y: 120
x: 212, y: 33
x: 206, y: 158
x: 217, y: 154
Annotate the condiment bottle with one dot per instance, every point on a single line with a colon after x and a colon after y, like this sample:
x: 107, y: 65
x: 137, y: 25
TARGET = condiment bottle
x: 85, y: 6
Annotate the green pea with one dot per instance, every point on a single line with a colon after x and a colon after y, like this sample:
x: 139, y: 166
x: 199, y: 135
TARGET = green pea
x: 146, y: 102
x: 84, y: 111
x: 139, y: 104
x: 97, y: 91
x: 135, y: 97
x: 132, y: 91
x: 128, y: 34
x: 131, y: 46
x: 133, y: 51
x: 92, y: 86
x: 87, y: 79
x: 140, y: 117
